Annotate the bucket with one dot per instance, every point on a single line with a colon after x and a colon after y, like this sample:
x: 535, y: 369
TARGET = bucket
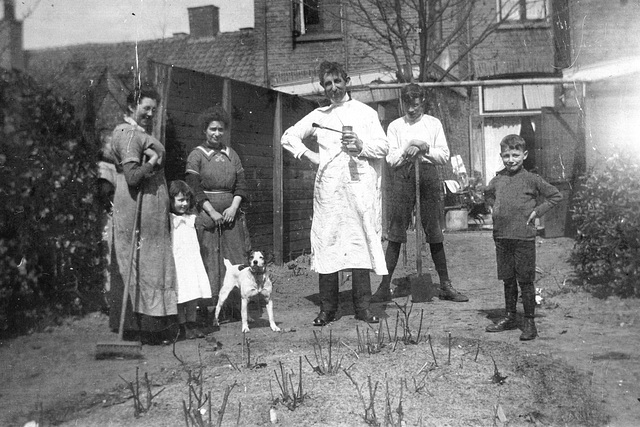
x: 457, y: 219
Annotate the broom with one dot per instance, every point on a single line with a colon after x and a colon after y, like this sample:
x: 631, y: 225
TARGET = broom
x: 122, y: 348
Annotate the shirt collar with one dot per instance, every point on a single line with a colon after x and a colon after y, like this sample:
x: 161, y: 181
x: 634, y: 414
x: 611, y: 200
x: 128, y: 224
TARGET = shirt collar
x: 132, y: 122
x: 344, y: 102
x: 209, y: 151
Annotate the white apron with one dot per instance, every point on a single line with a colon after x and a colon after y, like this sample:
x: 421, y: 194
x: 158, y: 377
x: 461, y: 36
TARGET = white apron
x: 193, y: 282
x: 346, y: 231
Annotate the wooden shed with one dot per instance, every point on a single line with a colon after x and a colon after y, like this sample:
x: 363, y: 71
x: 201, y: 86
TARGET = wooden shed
x: 280, y: 204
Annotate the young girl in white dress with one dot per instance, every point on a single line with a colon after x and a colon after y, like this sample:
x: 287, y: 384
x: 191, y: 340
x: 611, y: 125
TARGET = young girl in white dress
x: 192, y: 279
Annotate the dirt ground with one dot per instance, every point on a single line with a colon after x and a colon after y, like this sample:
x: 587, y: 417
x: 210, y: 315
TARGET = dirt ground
x: 584, y: 369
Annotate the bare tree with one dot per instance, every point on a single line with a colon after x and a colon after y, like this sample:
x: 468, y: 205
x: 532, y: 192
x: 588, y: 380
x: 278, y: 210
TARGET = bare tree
x: 421, y: 33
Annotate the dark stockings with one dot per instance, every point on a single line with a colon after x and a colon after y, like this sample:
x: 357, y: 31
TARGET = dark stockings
x: 439, y: 260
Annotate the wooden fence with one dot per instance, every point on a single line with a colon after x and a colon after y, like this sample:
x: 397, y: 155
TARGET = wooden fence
x: 280, y: 202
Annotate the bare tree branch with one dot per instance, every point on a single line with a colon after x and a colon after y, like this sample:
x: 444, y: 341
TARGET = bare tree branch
x: 410, y: 33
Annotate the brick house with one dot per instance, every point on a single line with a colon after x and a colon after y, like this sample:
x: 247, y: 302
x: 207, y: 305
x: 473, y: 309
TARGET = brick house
x: 546, y: 44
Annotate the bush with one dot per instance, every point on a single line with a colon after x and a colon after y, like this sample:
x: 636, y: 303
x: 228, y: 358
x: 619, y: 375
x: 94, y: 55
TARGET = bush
x: 605, y: 211
x: 49, y: 233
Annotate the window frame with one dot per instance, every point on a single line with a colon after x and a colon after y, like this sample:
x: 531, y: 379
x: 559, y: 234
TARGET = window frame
x: 524, y: 110
x: 316, y: 31
x: 522, y: 12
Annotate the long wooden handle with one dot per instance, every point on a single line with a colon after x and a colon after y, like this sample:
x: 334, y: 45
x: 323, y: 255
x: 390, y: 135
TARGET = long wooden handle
x: 134, y: 245
x: 418, y: 220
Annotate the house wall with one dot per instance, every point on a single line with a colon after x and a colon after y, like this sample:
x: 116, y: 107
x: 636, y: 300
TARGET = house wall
x: 296, y: 59
x: 604, y: 30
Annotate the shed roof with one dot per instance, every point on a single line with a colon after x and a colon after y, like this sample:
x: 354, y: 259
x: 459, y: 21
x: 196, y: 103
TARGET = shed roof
x: 71, y: 70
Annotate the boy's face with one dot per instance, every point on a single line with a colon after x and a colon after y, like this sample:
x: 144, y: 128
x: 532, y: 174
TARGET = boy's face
x: 414, y: 109
x: 513, y: 159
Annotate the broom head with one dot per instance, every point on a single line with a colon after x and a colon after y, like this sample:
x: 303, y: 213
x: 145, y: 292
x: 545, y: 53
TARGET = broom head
x: 119, y: 350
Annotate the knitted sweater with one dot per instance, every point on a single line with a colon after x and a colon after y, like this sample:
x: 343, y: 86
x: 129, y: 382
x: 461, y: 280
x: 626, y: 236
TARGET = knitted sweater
x: 513, y: 198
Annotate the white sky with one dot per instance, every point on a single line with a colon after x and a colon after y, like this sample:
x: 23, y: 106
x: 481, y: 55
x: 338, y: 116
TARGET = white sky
x: 66, y: 22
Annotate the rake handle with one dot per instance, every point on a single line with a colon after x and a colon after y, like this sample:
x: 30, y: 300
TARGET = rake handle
x: 134, y: 244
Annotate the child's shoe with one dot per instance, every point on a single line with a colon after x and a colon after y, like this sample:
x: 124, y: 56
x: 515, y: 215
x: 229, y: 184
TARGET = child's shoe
x: 506, y: 324
x: 529, y: 330
x: 196, y: 331
x: 186, y: 332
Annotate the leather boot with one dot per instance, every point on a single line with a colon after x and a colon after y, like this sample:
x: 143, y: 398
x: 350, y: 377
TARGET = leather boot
x: 529, y: 330
x: 506, y: 324
x: 391, y: 255
x: 383, y: 294
x: 510, y: 301
x: 447, y: 292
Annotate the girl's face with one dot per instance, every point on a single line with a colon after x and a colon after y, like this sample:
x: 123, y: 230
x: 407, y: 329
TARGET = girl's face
x: 180, y: 204
x: 214, y: 133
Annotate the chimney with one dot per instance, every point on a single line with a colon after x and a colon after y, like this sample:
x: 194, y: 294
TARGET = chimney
x: 11, y: 53
x: 204, y: 21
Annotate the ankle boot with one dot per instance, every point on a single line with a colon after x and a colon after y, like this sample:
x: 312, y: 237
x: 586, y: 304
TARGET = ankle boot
x: 506, y: 324
x: 529, y: 330
x: 447, y: 292
x: 383, y: 293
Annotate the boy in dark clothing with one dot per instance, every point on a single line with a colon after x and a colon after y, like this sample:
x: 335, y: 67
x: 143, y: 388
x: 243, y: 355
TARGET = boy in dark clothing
x: 513, y: 193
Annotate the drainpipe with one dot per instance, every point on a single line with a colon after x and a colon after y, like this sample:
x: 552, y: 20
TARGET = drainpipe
x: 267, y: 82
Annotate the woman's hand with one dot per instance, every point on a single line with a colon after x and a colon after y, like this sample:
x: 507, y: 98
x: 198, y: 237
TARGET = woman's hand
x: 216, y: 217
x: 214, y: 214
x: 229, y: 214
x: 152, y: 156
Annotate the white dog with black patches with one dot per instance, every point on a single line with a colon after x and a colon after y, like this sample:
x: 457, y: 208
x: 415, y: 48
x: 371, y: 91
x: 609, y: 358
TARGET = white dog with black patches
x: 251, y: 280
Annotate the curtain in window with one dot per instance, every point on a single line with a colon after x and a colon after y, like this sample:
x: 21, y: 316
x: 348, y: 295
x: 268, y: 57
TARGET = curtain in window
x: 537, y: 96
x: 502, y: 98
x: 495, y: 129
x: 536, y: 9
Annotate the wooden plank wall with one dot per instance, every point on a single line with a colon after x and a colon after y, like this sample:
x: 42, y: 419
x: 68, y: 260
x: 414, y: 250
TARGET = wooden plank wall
x: 251, y: 134
x: 298, y: 180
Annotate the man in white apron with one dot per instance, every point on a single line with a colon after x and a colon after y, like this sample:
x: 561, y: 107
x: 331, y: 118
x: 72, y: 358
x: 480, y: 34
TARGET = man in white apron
x: 346, y: 229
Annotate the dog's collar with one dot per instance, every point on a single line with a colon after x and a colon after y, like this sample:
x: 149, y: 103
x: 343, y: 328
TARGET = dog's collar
x: 254, y: 270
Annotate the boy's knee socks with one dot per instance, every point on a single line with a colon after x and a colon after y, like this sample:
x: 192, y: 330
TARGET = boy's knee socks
x: 511, y: 295
x: 528, y: 298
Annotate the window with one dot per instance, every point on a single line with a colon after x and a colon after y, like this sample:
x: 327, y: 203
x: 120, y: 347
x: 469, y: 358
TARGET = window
x: 515, y: 100
x: 316, y: 17
x: 522, y: 10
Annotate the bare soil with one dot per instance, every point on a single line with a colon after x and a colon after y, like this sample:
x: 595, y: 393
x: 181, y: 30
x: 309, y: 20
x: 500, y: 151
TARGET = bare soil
x: 583, y: 369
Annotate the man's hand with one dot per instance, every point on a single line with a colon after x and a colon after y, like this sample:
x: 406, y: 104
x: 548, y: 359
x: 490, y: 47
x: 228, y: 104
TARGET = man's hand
x: 411, y: 152
x: 351, y: 142
x: 422, y: 145
x: 312, y: 156
x: 532, y: 218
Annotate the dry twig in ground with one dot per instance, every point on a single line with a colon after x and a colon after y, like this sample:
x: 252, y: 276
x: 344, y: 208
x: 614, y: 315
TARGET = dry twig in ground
x: 140, y: 407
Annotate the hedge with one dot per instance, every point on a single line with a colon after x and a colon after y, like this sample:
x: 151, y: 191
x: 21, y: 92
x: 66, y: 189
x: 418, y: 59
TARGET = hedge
x: 50, y: 260
x: 606, y: 211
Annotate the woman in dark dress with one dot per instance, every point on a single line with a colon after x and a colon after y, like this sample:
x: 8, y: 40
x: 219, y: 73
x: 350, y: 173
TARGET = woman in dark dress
x: 215, y: 173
